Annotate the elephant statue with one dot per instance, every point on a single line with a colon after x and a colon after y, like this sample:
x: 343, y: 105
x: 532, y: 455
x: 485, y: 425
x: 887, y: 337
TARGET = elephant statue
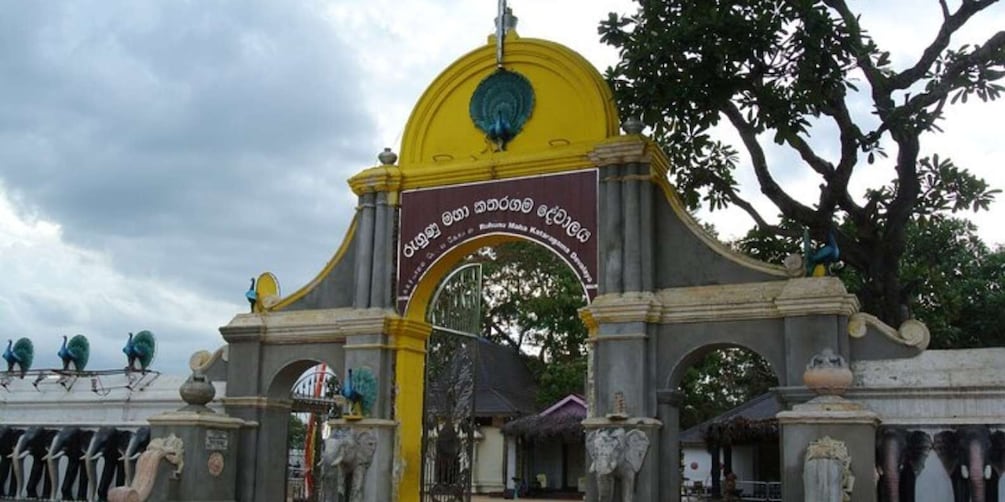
x: 70, y: 442
x: 137, y: 445
x: 345, y: 459
x: 110, y: 444
x: 900, y: 457
x: 8, y: 440
x: 616, y: 455
x: 968, y: 453
x: 34, y: 442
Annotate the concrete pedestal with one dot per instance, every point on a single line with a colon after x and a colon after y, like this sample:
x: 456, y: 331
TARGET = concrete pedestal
x: 840, y: 419
x: 211, y: 449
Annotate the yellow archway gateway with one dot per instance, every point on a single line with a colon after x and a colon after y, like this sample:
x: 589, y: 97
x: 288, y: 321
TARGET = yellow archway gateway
x: 573, y: 111
x: 527, y: 149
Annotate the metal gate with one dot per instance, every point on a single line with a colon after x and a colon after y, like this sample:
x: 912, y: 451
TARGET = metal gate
x: 449, y: 401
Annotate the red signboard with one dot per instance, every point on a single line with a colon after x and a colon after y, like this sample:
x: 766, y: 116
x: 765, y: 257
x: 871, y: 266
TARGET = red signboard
x: 557, y: 211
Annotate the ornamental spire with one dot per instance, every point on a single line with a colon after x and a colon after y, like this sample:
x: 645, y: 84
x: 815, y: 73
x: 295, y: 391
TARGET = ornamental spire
x: 505, y: 21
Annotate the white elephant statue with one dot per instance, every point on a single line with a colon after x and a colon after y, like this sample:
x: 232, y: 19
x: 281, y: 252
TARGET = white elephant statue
x: 344, y: 460
x: 616, y: 454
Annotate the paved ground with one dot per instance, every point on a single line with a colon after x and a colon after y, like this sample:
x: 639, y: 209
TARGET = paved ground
x: 481, y: 498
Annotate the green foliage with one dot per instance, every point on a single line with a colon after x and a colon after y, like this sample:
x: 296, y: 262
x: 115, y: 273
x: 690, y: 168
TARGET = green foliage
x: 776, y: 71
x: 297, y: 432
x: 531, y: 300
x: 952, y: 281
x: 722, y: 380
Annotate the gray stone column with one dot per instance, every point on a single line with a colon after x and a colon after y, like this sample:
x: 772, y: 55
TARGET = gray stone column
x: 632, y: 238
x: 838, y: 419
x: 364, y: 251
x: 668, y: 406
x: 210, y: 445
x: 612, y: 225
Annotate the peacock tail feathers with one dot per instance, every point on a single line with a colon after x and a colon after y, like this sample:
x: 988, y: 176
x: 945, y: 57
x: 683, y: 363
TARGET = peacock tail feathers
x: 365, y: 384
x: 146, y: 347
x: 80, y: 350
x: 24, y: 351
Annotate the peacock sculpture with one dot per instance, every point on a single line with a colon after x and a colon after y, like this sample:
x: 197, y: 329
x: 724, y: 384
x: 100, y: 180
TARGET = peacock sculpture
x: 77, y: 350
x: 21, y: 353
x: 360, y: 390
x: 251, y: 295
x: 819, y: 262
x: 140, y: 348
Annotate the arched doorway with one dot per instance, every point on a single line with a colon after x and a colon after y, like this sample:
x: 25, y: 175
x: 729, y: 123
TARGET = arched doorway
x: 729, y: 434
x: 314, y: 400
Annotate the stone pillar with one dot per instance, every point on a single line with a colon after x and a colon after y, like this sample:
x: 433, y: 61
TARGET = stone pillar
x: 828, y: 418
x: 646, y: 480
x: 668, y: 405
x: 210, y: 442
x: 366, y: 446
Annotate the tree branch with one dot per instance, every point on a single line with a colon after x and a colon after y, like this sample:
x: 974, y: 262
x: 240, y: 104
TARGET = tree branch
x: 949, y: 81
x: 950, y: 25
x: 769, y: 187
x: 877, y: 80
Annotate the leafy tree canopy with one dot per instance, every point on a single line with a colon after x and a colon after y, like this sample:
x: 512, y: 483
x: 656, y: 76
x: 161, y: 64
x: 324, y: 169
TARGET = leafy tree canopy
x: 722, y: 380
x: 531, y: 300
x: 779, y: 70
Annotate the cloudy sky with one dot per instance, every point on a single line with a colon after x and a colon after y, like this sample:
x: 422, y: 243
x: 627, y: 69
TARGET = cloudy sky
x: 155, y: 155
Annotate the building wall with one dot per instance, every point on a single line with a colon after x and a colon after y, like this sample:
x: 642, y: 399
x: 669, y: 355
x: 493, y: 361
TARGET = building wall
x: 489, y: 454
x: 743, y: 464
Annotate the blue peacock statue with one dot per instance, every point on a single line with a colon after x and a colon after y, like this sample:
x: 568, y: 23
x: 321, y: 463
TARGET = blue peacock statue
x: 21, y: 353
x: 360, y: 390
x: 251, y: 295
x: 140, y: 348
x: 819, y: 262
x: 77, y: 350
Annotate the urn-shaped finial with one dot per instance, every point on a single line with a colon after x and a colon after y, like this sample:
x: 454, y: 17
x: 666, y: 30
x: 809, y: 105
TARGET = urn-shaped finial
x: 387, y: 157
x: 197, y: 391
x: 632, y: 125
x: 827, y: 374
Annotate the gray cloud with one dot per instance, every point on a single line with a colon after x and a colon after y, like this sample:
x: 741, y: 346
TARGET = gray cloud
x: 193, y: 139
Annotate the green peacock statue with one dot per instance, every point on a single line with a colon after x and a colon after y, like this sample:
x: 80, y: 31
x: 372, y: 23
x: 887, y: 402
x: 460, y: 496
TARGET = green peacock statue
x: 76, y: 351
x: 140, y: 349
x: 21, y: 354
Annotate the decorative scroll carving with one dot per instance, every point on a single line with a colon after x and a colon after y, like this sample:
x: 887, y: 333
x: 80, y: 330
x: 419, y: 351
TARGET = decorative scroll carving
x: 912, y: 333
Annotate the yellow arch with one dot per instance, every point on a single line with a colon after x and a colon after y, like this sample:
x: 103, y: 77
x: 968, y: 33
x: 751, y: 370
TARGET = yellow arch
x: 574, y: 110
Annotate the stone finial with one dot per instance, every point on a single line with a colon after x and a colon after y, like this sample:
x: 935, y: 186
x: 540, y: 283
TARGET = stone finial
x: 387, y: 157
x: 827, y: 374
x: 632, y: 125
x: 197, y: 391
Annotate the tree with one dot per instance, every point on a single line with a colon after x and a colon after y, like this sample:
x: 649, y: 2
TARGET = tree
x: 957, y: 282
x: 531, y: 300
x: 722, y: 380
x: 779, y: 70
x: 297, y: 432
